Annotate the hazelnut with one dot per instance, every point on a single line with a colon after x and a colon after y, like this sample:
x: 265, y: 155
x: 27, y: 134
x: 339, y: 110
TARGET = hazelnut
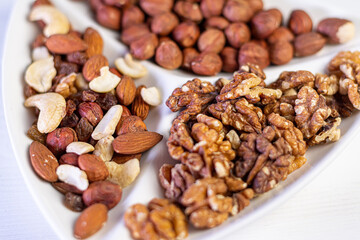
x: 264, y: 24
x: 252, y: 52
x: 217, y: 22
x: 211, y: 40
x: 207, y: 63
x: 91, y: 111
x: 69, y: 158
x: 229, y: 59
x: 144, y: 47
x: 188, y: 55
x: 211, y: 8
x: 238, y: 11
x: 132, y: 16
x: 164, y: 23
x: 168, y: 55
x: 300, y: 22
x: 94, y: 4
x: 109, y: 17
x: 281, y: 34
x: 155, y: 7
x: 337, y: 30
x: 188, y: 11
x: 256, y: 5
x: 308, y: 44
x: 281, y: 52
x: 116, y: 3
x: 133, y: 33
x: 186, y: 33
x: 237, y: 34
x: 58, y: 139
x: 277, y: 14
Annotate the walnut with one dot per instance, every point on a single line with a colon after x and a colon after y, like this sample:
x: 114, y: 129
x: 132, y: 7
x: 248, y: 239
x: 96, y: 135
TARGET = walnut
x: 328, y: 133
x: 327, y: 85
x: 345, y: 57
x: 284, y: 107
x: 255, y: 69
x: 235, y: 184
x: 297, y: 79
x: 220, y: 83
x: 179, y: 140
x: 298, y: 162
x: 242, y: 200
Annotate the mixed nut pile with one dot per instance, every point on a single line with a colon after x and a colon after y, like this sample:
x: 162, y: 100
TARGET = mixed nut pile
x: 206, y: 36
x: 89, y: 134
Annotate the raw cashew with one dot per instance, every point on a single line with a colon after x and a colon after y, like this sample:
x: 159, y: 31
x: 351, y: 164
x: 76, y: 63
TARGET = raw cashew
x: 151, y: 96
x: 106, y: 82
x: 104, y: 148
x: 39, y: 74
x: 129, y: 66
x: 107, y: 125
x: 73, y: 175
x: 123, y: 174
x: 52, y: 108
x: 56, y: 22
x: 39, y: 53
x: 79, y: 148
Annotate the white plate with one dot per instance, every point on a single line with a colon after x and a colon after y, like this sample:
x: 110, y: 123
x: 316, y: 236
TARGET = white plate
x: 17, y: 57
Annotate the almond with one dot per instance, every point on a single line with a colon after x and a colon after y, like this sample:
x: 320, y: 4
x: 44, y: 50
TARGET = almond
x: 130, y: 124
x: 125, y: 90
x: 90, y: 221
x: 65, y: 43
x: 92, y: 67
x: 139, y: 107
x: 94, y: 41
x: 137, y: 142
x: 94, y: 167
x: 308, y: 44
x: 43, y: 161
x: 120, y: 158
x: 104, y: 192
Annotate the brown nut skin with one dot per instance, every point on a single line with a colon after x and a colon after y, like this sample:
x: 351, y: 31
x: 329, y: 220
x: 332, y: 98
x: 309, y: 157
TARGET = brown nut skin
x: 300, y: 22
x: 330, y: 27
x: 109, y: 17
x: 207, y: 64
x: 65, y: 188
x: 69, y: 158
x: 210, y: 8
x: 307, y: 44
x: 155, y: 7
x: 217, y: 22
x: 281, y: 52
x: 256, y: 5
x: 211, y: 40
x: 188, y: 11
x: 104, y: 192
x: 229, y: 58
x: 130, y: 124
x: 168, y: 55
x: 188, y: 55
x: 186, y: 33
x: 120, y: 159
x: 281, y: 34
x: 237, y: 34
x: 58, y: 139
x: 125, y: 91
x: 263, y: 24
x: 144, y: 47
x: 94, y: 167
x: 91, y: 111
x: 164, y: 23
x: 252, y: 52
x: 132, y: 16
x: 73, y: 202
x: 237, y: 11
x: 277, y: 14
x: 134, y: 32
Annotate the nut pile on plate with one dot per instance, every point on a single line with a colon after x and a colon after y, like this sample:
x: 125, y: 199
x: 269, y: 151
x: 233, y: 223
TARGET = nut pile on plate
x: 239, y: 138
x: 206, y: 36
x: 89, y: 134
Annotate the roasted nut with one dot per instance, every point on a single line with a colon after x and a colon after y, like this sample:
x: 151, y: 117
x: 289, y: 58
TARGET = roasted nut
x: 123, y: 158
x: 73, y: 202
x: 139, y: 107
x: 163, y: 24
x: 65, y: 188
x: 300, y: 22
x: 94, y: 41
x: 117, y: 3
x: 103, y: 148
x: 109, y: 16
x: 130, y: 124
x: 69, y: 158
x: 281, y: 34
x: 134, y: 32
x: 132, y: 15
x: 123, y: 174
x: 281, y: 53
x: 106, y: 82
x: 217, y: 22
x: 79, y: 148
x: 207, y: 63
x: 144, y: 47
x: 237, y: 34
x: 308, y: 44
x: 91, y: 111
x: 136, y: 142
x: 104, y: 192
x: 264, y: 23
x: 256, y: 5
x: 211, y: 40
x: 186, y: 33
x: 188, y: 11
x: 65, y: 43
x: 59, y: 139
x: 168, y: 55
x: 39, y: 74
x: 254, y: 53
x: 337, y: 30
x: 128, y: 66
x: 107, y: 125
x: 151, y: 96
x: 94, y: 167
x: 93, y: 66
x: 210, y: 8
x: 188, y: 55
x: 39, y: 53
x: 72, y: 175
x: 229, y: 58
x: 125, y: 91
x: 155, y: 7
x: 238, y: 11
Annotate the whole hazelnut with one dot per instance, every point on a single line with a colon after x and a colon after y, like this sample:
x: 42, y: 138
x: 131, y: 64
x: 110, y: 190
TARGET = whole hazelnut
x: 168, y: 55
x: 281, y: 34
x: 94, y: 4
x: 211, y: 40
x: 277, y: 14
x: 91, y: 111
x: 207, y: 63
x: 134, y: 32
x: 300, y: 22
x: 58, y: 139
x: 144, y: 47
x: 69, y: 158
x: 252, y: 52
x: 264, y: 24
x: 164, y: 23
x: 188, y: 11
x: 237, y: 34
x: 155, y: 7
x: 210, y: 8
x: 229, y: 59
x: 186, y: 33
x: 281, y: 52
x: 256, y: 5
x: 308, y: 44
x: 109, y: 17
x: 238, y: 11
x: 217, y: 22
x: 116, y: 3
x: 188, y: 55
x: 132, y: 16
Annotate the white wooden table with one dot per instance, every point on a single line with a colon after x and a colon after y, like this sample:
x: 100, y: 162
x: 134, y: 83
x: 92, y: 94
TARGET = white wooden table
x: 328, y: 208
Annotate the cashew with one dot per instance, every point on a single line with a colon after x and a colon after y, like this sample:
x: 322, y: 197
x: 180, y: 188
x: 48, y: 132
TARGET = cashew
x: 79, y: 148
x: 56, y: 22
x: 39, y: 74
x: 106, y: 82
x: 66, y: 85
x: 104, y: 148
x: 73, y: 175
x: 107, y: 125
x: 39, y: 53
x: 129, y: 66
x: 123, y: 174
x: 81, y: 83
x: 151, y: 96
x: 52, y: 108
